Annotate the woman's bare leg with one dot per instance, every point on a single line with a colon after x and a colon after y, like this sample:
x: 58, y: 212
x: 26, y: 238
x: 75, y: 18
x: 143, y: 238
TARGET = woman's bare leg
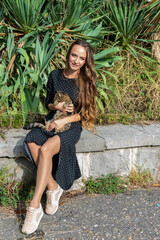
x: 44, y: 168
x: 34, y: 150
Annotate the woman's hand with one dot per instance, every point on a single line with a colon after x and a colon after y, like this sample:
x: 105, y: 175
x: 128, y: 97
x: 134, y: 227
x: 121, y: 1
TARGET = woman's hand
x: 61, y: 107
x: 58, y: 124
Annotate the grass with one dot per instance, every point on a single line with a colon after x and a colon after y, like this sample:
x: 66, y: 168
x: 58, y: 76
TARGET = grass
x: 106, y: 184
x: 113, y: 184
x: 9, y: 187
x: 11, y: 120
x: 135, y: 96
x: 140, y: 177
x: 13, y: 192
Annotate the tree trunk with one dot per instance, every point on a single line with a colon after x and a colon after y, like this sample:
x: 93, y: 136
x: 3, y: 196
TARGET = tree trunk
x: 156, y: 47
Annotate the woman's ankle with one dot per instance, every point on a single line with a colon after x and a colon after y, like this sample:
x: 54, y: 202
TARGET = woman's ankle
x: 52, y: 187
x: 34, y: 204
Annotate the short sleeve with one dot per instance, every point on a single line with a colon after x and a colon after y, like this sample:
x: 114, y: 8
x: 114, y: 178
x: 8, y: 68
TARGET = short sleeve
x: 50, y: 90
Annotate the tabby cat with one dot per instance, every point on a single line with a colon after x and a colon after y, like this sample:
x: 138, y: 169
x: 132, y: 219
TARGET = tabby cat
x: 59, y: 97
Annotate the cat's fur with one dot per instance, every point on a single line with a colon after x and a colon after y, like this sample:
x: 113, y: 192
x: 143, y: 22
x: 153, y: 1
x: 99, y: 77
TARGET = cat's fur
x: 59, y: 97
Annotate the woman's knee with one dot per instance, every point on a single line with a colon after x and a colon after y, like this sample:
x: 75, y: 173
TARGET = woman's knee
x: 51, y: 147
x: 44, y: 151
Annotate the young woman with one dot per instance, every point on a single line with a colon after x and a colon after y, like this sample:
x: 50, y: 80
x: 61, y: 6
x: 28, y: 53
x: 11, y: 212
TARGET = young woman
x: 43, y: 147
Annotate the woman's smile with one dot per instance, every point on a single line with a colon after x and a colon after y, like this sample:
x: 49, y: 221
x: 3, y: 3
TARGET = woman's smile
x: 77, y: 57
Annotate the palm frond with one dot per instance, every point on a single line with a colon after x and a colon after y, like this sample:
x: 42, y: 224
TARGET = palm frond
x: 25, y: 15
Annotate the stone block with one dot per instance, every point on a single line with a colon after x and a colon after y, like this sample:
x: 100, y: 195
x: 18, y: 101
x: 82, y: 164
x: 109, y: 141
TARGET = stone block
x: 90, y: 142
x: 13, y: 145
x: 22, y: 166
x: 130, y: 136
x: 148, y: 158
x: 110, y: 161
x: 121, y: 161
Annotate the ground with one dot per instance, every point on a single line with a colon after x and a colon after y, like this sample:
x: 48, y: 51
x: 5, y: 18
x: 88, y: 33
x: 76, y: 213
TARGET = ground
x: 133, y: 215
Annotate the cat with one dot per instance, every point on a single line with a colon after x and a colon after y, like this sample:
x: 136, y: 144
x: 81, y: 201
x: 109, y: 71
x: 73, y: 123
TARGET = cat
x: 59, y: 97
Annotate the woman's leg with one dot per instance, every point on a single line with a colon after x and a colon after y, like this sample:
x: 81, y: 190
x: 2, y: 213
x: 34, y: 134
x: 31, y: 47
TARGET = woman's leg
x: 44, y: 167
x: 34, y: 150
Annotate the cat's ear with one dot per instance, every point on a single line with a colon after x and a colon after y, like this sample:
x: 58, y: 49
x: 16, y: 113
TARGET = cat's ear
x: 59, y: 93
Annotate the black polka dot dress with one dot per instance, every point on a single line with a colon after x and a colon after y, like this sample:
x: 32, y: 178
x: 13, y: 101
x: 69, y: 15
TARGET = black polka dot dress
x: 65, y: 165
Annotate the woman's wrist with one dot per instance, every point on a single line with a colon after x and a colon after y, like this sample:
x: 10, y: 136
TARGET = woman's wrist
x: 73, y: 118
x: 51, y: 107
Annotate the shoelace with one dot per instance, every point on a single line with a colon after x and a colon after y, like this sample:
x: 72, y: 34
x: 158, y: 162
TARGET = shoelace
x: 49, y: 199
x: 50, y: 194
x: 29, y: 215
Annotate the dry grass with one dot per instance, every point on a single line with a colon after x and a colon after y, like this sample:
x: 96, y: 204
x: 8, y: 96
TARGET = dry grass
x: 140, y: 178
x: 137, y: 91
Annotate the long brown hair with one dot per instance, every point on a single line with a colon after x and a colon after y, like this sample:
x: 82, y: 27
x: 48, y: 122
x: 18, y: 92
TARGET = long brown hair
x: 86, y: 82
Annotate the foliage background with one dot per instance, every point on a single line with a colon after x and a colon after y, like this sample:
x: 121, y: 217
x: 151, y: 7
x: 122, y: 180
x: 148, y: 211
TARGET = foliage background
x: 34, y: 39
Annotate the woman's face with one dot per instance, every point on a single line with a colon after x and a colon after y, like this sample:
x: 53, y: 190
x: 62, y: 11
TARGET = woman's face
x: 77, y: 57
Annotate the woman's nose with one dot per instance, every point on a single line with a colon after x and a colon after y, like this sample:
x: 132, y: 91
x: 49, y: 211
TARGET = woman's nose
x: 77, y: 59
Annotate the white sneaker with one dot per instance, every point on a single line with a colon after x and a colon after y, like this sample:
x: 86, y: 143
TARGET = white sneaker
x: 32, y: 220
x: 53, y: 198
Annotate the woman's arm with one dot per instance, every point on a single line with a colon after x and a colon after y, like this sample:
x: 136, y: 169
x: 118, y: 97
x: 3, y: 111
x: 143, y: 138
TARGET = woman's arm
x: 73, y: 118
x: 51, y: 107
x: 61, y: 122
x: 60, y: 107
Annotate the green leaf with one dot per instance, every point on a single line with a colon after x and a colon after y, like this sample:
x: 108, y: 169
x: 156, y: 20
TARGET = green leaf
x: 100, y: 104
x: 10, y: 45
x: 17, y: 84
x: 100, y: 64
x: 24, y: 53
x: 105, y: 52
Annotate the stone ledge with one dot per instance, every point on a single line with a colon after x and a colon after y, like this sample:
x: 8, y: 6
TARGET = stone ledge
x: 13, y: 145
x: 112, y: 149
x: 106, y: 137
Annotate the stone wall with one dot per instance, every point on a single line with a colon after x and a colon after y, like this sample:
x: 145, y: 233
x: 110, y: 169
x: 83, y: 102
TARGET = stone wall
x: 112, y: 149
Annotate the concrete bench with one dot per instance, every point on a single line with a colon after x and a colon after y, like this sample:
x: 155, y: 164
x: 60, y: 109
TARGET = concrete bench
x: 112, y: 149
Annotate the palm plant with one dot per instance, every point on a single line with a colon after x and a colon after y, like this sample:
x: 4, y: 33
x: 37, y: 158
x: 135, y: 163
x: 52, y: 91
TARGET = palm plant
x: 127, y: 23
x: 27, y: 77
x: 24, y: 15
x: 70, y: 13
x: 37, y: 36
x: 72, y: 17
x: 153, y: 14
